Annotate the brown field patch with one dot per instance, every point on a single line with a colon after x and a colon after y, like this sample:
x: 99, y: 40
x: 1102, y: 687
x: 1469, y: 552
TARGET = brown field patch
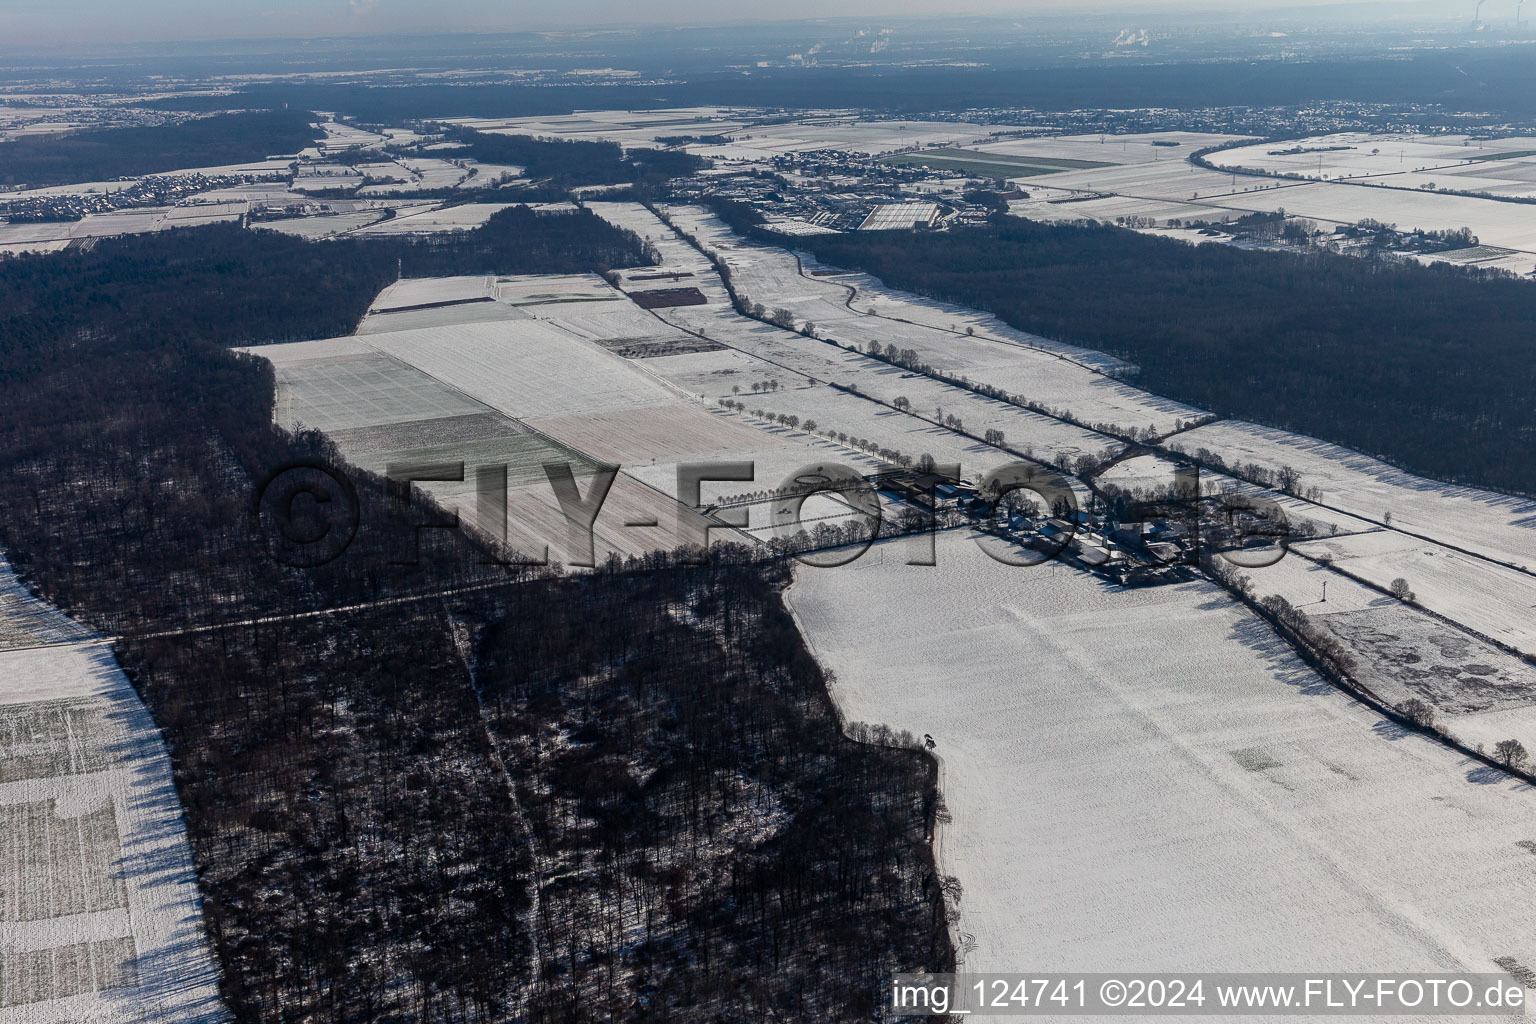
x: 664, y: 298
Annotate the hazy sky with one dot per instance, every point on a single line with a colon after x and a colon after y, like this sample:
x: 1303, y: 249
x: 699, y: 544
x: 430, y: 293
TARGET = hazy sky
x: 33, y: 22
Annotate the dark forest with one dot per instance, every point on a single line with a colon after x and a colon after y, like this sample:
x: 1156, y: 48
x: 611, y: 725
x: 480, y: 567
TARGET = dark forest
x: 108, y: 153
x: 623, y: 796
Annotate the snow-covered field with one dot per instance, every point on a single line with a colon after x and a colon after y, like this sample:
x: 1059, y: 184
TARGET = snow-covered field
x: 339, y: 136
x: 678, y: 432
x: 1400, y: 651
x: 51, y: 236
x: 749, y: 139
x: 629, y: 128
x: 859, y: 411
x: 433, y: 219
x: 1169, y: 178
x: 412, y: 174
x: 1500, y: 166
x: 1333, y: 180
x: 1495, y: 601
x: 323, y: 226
x: 100, y: 917
x: 783, y: 455
x: 1143, y: 148
x: 335, y: 392
x: 1505, y: 224
x: 1056, y: 376
x: 1058, y: 206
x: 523, y: 391
x: 1497, y: 525
x: 1150, y: 777
x: 525, y: 368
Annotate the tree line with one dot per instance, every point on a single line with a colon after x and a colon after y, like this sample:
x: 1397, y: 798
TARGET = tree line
x: 1427, y: 367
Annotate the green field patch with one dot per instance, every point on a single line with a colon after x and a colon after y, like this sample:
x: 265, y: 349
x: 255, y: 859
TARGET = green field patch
x: 524, y: 455
x: 537, y: 300
x: 1475, y: 254
x: 1514, y: 154
x: 997, y: 165
x: 365, y: 390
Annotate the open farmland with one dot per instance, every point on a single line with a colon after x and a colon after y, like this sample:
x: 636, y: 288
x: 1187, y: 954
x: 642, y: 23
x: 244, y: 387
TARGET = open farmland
x: 553, y: 289
x: 381, y: 411
x: 524, y: 391
x: 662, y: 433
x: 101, y: 915
x: 474, y: 393
x: 525, y: 368
x: 896, y: 307
x: 1504, y: 166
x: 782, y: 454
x: 432, y: 291
x: 723, y: 373
x: 381, y: 217
x: 1400, y: 650
x: 468, y: 311
x: 750, y: 135
x: 875, y: 427
x: 1493, y: 600
x: 982, y: 164
x: 866, y: 388
x: 1156, y: 767
x: 1179, y: 191
x: 833, y: 297
x: 322, y: 226
x: 1170, y: 179
x: 1509, y: 225
x: 1499, y: 526
x: 1058, y: 378
x: 464, y: 217
x: 415, y: 174
x: 1072, y: 207
x: 351, y: 389
x: 852, y: 135
x: 1097, y: 149
x: 581, y: 304
x: 629, y: 128
x: 340, y: 137
x: 859, y: 407
x: 1480, y: 693
x: 1333, y: 180
x: 49, y: 237
x: 601, y: 321
x: 928, y: 402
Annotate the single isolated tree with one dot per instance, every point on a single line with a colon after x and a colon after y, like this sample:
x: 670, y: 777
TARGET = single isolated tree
x: 1401, y: 590
x: 1289, y: 480
x: 1511, y: 754
x: 1418, y: 712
